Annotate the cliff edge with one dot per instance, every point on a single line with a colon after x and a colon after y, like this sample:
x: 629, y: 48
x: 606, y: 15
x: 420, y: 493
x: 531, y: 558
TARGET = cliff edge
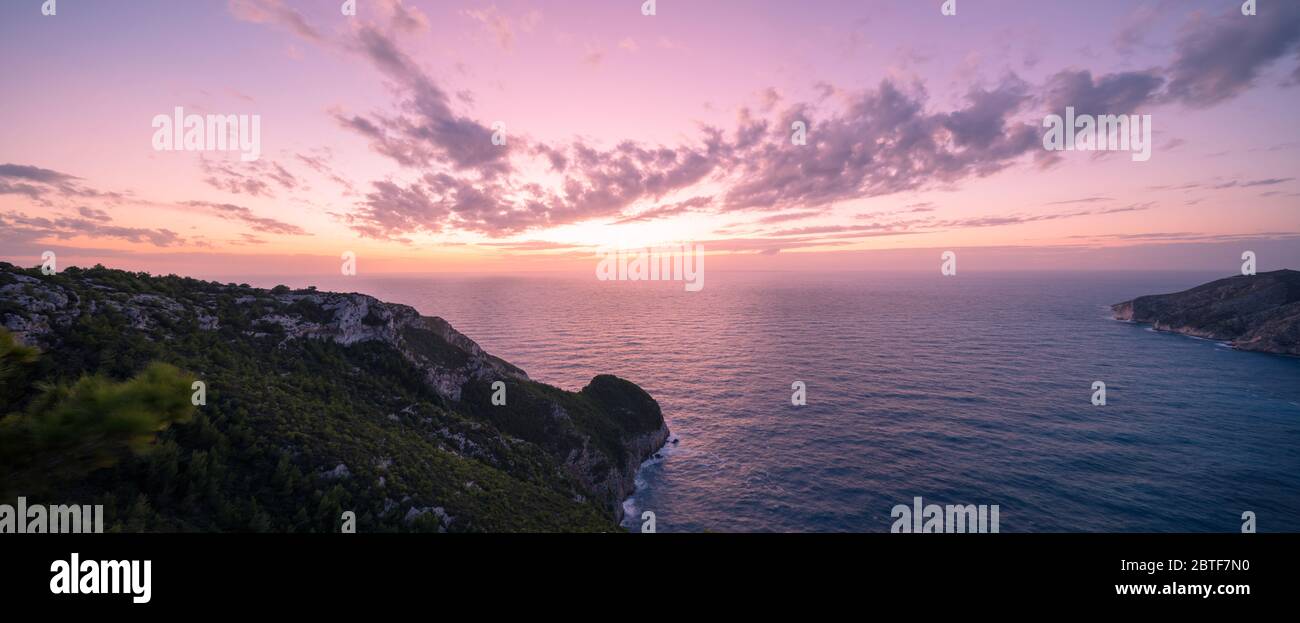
x: 387, y: 412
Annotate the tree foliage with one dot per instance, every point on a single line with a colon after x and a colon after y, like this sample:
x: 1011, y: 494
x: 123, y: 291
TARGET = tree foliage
x: 68, y: 430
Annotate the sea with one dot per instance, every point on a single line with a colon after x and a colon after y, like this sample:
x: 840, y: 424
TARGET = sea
x: 971, y: 389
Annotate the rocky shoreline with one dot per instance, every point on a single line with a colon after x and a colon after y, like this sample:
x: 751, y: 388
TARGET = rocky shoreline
x: 1258, y: 313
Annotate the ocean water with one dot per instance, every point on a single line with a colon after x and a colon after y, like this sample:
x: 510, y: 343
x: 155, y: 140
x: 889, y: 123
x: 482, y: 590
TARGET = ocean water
x: 973, y: 389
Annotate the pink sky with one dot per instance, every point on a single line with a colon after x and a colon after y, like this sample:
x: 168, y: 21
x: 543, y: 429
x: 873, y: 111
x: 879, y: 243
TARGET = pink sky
x: 924, y: 134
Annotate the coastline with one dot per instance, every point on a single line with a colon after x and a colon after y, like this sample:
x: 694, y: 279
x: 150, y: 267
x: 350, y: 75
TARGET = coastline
x: 1254, y: 313
x: 628, y: 512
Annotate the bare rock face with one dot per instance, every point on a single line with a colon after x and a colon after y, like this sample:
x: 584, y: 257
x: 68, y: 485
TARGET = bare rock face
x: 448, y: 358
x: 35, y: 308
x: 1257, y: 313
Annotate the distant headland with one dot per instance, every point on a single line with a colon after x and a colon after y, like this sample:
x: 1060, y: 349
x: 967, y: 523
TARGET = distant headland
x: 1252, y: 312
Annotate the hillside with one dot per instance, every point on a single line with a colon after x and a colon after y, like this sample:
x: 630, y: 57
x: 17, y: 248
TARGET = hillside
x: 316, y: 403
x: 1258, y: 312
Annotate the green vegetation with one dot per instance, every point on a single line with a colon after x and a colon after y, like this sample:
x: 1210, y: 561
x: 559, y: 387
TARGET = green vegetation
x: 70, y: 430
x: 294, y: 431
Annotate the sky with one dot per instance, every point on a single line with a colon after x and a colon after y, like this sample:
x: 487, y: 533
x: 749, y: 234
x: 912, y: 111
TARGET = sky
x: 924, y: 133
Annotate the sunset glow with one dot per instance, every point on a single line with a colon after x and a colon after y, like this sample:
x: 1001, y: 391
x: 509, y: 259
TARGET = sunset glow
x: 923, y: 133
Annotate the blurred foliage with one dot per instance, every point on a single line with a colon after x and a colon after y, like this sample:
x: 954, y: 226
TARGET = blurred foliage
x: 70, y: 430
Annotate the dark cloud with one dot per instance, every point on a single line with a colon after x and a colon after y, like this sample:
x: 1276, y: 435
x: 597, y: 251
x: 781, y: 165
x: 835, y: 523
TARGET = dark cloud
x: 1192, y: 237
x: 884, y: 143
x: 39, y: 184
x: 34, y: 174
x: 1111, y: 94
x: 983, y: 122
x: 1219, y: 57
x: 880, y: 141
x: 34, y: 193
x: 392, y: 210
x: 426, y: 128
x: 93, y: 214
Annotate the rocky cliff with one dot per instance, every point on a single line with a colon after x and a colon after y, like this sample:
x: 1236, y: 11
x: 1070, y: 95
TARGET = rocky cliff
x: 427, y: 381
x: 1257, y: 313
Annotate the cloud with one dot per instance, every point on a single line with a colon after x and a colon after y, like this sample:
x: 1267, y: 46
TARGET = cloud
x: 1134, y: 28
x: 34, y: 193
x: 426, y: 128
x: 20, y: 228
x: 593, y: 55
x: 1020, y: 219
x: 247, y: 178
x: 320, y: 163
x: 1219, y: 57
x: 34, y: 174
x: 1083, y: 200
x: 1272, y: 181
x: 673, y: 209
x: 274, y: 12
x: 390, y: 211
x: 239, y: 213
x: 500, y: 25
x: 37, y: 184
x: 872, y: 142
x: 884, y: 142
x: 535, y: 245
x: 933, y: 225
x: 469, y: 183
x: 404, y: 19
x: 789, y: 216
x: 1112, y: 94
x: 93, y: 214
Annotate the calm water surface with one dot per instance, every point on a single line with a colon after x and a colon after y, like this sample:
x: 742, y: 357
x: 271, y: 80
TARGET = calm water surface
x: 974, y: 389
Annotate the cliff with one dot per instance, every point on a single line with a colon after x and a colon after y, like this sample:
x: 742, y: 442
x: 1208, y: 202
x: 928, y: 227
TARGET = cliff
x: 1257, y: 313
x: 381, y: 410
